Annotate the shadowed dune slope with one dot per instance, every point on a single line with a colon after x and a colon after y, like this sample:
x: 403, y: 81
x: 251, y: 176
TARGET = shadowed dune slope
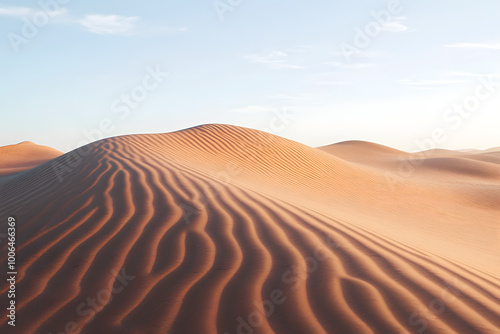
x: 222, y: 229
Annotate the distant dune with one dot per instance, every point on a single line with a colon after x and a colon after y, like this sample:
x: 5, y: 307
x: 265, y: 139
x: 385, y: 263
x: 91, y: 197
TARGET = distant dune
x: 223, y: 229
x: 23, y: 156
x: 495, y: 150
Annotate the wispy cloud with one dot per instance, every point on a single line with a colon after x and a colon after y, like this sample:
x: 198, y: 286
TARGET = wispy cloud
x: 97, y: 23
x: 19, y: 12
x: 110, y: 24
x: 15, y: 11
x: 276, y: 59
x: 491, y: 46
x: 397, y: 25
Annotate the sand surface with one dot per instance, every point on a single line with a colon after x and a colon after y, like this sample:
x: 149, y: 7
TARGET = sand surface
x: 23, y: 156
x: 222, y: 229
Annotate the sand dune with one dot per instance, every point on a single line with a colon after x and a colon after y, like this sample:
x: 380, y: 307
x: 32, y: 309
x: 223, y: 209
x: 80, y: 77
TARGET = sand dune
x: 495, y: 150
x: 375, y: 155
x: 222, y: 229
x: 23, y: 156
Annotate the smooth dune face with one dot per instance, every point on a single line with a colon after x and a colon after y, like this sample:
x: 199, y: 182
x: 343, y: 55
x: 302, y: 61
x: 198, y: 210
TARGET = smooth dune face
x: 221, y: 229
x: 23, y: 156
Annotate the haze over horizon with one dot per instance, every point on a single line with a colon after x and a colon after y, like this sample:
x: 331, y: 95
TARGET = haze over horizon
x: 389, y: 72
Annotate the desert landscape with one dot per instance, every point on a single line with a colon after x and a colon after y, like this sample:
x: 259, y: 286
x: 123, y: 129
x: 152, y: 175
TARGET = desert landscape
x: 225, y: 229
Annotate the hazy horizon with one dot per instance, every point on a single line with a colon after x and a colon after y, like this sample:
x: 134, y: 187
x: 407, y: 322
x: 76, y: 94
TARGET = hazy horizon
x: 422, y: 143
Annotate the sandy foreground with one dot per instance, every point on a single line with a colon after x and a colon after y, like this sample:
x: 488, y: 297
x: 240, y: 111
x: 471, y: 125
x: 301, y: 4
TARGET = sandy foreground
x: 222, y: 229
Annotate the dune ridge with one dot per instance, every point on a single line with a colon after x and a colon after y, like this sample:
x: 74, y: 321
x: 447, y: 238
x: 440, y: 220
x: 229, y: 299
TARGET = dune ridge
x: 206, y: 230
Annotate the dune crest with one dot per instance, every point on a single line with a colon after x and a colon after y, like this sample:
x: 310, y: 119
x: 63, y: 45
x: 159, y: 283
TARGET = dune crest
x: 222, y: 229
x: 20, y: 157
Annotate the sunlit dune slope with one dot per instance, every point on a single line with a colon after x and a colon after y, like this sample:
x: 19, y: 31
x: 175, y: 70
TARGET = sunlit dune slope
x: 23, y: 156
x: 222, y: 229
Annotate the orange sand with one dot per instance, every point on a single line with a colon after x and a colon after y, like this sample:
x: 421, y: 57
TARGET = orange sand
x: 222, y: 229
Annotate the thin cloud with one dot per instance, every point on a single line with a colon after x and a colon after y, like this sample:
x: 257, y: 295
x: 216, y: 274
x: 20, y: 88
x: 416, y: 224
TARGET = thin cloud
x: 15, y: 11
x: 110, y: 24
x: 397, y: 25
x: 97, y: 23
x: 490, y: 46
x: 20, y: 12
x: 276, y: 59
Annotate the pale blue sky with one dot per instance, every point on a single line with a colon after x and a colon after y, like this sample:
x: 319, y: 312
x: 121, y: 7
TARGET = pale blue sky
x: 245, y: 62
